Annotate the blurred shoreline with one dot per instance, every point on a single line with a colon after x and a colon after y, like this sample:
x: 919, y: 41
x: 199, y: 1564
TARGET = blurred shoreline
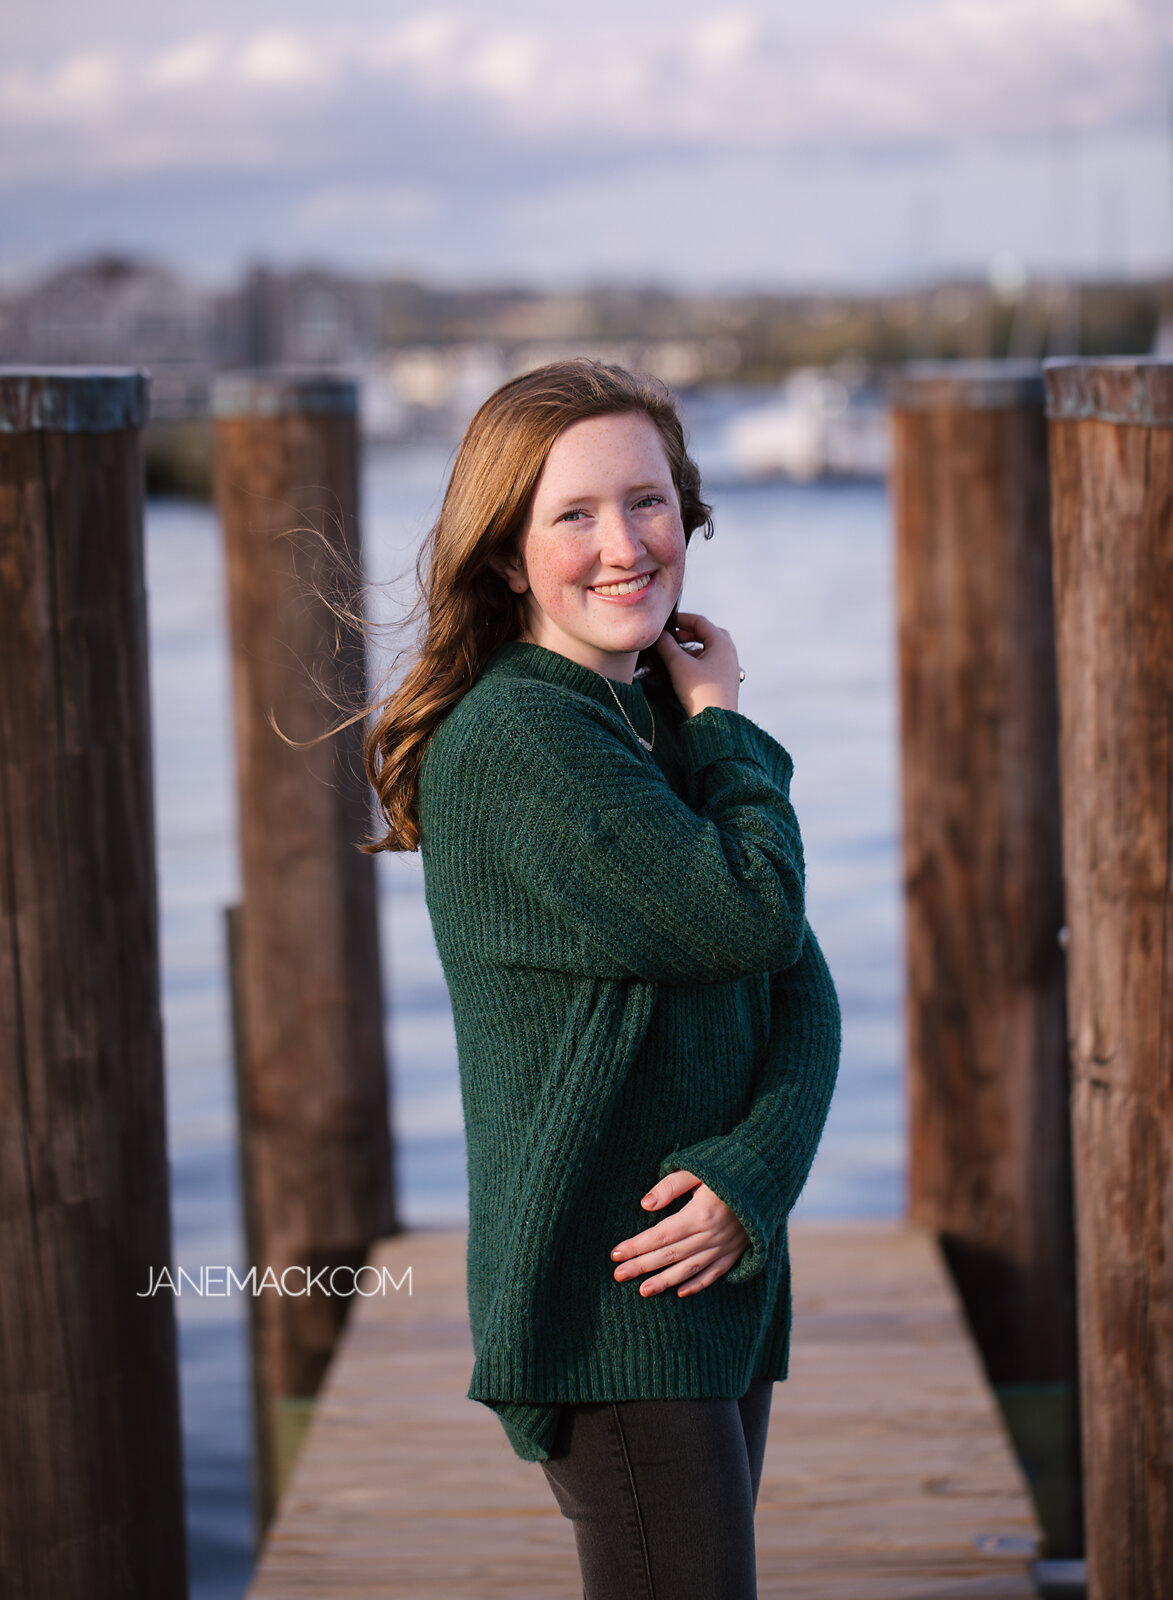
x: 425, y: 356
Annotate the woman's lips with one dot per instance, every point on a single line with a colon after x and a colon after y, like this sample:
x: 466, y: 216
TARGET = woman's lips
x: 613, y: 591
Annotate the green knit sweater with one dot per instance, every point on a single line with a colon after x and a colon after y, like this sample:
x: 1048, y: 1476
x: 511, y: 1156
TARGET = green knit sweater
x: 634, y: 989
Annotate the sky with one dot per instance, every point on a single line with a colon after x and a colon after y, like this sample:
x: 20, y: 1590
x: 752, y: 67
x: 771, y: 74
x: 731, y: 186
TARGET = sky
x: 853, y: 143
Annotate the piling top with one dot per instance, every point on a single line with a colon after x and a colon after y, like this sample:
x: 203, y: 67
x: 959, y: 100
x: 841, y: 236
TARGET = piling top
x: 966, y: 385
x: 72, y: 399
x: 1130, y: 389
x: 284, y: 392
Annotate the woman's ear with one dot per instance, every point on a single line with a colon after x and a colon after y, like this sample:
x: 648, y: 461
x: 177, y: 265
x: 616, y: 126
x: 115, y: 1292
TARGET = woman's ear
x: 511, y: 569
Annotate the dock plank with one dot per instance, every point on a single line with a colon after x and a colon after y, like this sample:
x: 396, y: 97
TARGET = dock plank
x: 888, y: 1472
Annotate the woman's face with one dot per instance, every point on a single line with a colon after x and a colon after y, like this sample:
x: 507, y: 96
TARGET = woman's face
x: 600, y: 558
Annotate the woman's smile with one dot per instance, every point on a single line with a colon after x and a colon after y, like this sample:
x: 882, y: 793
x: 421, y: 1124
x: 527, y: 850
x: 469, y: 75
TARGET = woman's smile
x: 626, y: 589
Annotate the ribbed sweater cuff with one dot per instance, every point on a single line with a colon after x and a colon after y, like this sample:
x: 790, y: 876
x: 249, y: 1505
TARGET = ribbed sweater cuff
x: 735, y: 1173
x: 718, y: 734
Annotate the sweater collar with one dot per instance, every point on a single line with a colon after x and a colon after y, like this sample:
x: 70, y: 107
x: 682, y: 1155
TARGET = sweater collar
x: 519, y: 659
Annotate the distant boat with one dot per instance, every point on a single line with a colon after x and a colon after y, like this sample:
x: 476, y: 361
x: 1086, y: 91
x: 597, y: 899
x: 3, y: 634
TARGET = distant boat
x: 823, y: 422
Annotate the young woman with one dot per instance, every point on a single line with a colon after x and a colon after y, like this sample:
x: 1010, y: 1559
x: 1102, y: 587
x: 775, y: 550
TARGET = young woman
x: 647, y: 1032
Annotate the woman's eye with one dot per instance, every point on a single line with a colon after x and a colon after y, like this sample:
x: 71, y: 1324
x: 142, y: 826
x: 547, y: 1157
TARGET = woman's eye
x: 651, y: 500
x: 568, y: 516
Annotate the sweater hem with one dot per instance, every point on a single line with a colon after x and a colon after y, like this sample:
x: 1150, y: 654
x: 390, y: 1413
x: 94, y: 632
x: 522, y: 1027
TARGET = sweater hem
x: 531, y: 1425
x: 507, y: 1376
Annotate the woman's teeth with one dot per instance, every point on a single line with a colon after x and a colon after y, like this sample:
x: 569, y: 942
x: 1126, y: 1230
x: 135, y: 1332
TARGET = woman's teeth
x: 629, y: 587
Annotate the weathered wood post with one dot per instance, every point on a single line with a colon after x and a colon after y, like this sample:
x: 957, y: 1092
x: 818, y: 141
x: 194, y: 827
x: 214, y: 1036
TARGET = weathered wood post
x: 1111, y: 439
x: 91, y: 1472
x: 313, y: 1090
x: 989, y: 1156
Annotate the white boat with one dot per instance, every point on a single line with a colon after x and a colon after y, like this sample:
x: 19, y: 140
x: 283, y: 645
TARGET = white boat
x: 823, y: 422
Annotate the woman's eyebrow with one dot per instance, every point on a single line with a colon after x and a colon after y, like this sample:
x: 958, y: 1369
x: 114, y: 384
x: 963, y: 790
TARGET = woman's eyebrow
x: 633, y: 488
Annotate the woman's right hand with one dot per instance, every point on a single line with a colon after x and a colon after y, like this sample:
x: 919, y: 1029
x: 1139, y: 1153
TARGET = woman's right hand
x: 707, y: 677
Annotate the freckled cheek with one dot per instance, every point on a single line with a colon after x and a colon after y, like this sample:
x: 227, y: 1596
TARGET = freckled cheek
x: 667, y: 543
x: 554, y: 579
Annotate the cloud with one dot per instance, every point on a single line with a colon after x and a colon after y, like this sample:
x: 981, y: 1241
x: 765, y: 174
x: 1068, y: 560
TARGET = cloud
x: 284, y: 60
x: 528, y: 99
x: 193, y: 63
x: 349, y: 205
x: 999, y: 67
x: 451, y: 138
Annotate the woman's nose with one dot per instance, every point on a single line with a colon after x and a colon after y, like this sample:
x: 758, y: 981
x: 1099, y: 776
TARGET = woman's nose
x: 620, y: 544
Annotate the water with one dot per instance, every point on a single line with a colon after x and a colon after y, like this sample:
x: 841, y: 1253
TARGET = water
x: 802, y: 578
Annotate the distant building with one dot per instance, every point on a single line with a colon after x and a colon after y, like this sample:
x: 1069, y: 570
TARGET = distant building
x: 114, y: 311
x: 306, y: 318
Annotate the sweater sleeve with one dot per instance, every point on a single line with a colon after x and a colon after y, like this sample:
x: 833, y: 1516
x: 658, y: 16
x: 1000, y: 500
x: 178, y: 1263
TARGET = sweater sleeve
x: 672, y: 892
x: 761, y: 1165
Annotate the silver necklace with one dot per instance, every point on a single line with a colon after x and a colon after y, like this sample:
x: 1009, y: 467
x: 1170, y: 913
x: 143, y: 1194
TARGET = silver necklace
x: 647, y: 743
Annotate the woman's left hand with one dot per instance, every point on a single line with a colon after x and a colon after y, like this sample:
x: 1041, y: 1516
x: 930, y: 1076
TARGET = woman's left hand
x: 700, y: 1242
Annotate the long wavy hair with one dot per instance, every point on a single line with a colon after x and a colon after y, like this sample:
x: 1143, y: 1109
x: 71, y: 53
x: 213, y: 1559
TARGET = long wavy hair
x: 469, y: 609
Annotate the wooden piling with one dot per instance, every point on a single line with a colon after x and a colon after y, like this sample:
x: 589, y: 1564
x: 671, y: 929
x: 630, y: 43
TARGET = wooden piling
x: 91, y: 1489
x: 989, y: 1145
x: 313, y: 1091
x: 1111, y: 441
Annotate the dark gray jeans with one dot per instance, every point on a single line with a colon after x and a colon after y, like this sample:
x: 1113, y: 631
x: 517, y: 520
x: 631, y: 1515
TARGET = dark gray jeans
x: 662, y: 1493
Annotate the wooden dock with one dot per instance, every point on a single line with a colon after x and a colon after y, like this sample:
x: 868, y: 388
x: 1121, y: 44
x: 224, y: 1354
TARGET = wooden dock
x: 888, y: 1473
